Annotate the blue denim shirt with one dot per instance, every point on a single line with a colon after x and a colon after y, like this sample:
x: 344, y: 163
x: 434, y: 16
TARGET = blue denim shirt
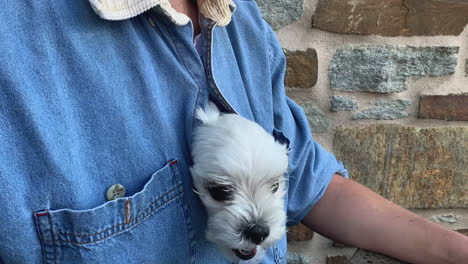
x: 87, y: 103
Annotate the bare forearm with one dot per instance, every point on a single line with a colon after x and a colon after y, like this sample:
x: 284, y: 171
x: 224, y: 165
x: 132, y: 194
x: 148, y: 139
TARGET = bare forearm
x: 353, y: 214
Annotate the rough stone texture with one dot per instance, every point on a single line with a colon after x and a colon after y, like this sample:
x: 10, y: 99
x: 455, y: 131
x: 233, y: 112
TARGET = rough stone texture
x: 294, y: 258
x: 300, y: 232
x: 280, y: 13
x: 337, y: 260
x: 392, y: 17
x: 340, y: 245
x: 463, y: 231
x: 301, y: 68
x: 413, y: 167
x: 385, y: 69
x: 365, y: 257
x: 445, y: 107
x: 466, y: 68
x: 385, y: 110
x: 342, y: 103
x: 317, y: 119
x: 446, y: 218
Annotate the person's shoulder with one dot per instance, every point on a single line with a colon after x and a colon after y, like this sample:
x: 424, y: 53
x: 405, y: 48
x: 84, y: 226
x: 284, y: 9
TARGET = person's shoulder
x: 248, y: 14
x: 247, y: 8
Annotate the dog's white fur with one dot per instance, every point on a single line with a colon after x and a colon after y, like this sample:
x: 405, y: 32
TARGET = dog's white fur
x: 231, y: 150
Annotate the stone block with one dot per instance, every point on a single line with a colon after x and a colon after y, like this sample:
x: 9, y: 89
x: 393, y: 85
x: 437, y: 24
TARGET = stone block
x: 463, y: 231
x: 336, y: 260
x: 385, y: 110
x: 340, y: 245
x: 301, y: 68
x: 445, y: 107
x: 385, y: 69
x: 421, y: 168
x: 342, y: 103
x: 280, y: 13
x: 318, y: 121
x: 365, y: 257
x: 466, y: 68
x: 445, y: 218
x: 392, y: 17
x: 300, y: 232
x: 295, y: 258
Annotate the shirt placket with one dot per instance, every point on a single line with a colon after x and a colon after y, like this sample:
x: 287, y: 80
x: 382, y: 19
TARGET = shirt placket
x: 215, y: 93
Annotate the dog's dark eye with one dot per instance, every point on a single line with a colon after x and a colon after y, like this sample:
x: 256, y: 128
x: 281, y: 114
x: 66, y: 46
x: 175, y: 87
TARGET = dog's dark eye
x: 219, y: 192
x: 274, y: 187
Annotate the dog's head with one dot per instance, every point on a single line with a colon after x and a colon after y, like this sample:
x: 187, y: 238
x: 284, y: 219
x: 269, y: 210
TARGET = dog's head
x: 239, y: 173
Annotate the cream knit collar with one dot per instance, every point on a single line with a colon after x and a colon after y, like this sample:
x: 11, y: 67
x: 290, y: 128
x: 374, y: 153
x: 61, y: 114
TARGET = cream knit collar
x: 219, y: 11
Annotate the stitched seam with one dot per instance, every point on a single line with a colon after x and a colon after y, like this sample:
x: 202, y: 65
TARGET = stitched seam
x: 53, y: 237
x: 41, y: 237
x: 116, y: 233
x: 213, y: 87
x: 118, y: 225
x: 134, y: 5
x: 190, y: 235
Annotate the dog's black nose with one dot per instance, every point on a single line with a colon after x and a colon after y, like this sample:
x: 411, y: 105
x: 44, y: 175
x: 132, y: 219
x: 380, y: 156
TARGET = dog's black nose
x: 257, y: 233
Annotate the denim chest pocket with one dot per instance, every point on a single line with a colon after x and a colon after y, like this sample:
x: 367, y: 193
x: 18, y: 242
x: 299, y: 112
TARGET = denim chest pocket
x: 280, y: 250
x: 147, y: 227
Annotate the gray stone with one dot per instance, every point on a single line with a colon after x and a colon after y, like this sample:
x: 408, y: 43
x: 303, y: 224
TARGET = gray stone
x: 385, y: 69
x: 446, y: 218
x: 280, y: 13
x: 364, y: 257
x: 295, y: 258
x: 386, y: 110
x: 343, y: 103
x: 317, y: 119
x: 466, y: 68
x: 421, y: 168
x: 336, y: 260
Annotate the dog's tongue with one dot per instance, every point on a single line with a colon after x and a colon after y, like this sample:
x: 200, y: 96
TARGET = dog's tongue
x: 245, y: 254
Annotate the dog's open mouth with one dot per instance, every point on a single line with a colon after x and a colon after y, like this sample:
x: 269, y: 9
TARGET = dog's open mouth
x: 245, y: 254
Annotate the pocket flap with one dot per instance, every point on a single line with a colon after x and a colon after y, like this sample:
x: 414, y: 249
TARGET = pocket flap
x: 92, y: 225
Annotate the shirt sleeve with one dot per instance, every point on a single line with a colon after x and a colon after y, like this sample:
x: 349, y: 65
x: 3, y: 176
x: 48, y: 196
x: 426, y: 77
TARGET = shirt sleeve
x: 311, y: 167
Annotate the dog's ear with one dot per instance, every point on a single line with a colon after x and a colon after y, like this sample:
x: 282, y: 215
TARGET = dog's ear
x: 281, y: 138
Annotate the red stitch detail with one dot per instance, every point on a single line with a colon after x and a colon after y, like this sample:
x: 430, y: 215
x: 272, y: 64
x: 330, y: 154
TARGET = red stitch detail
x: 42, y: 214
x: 127, y: 211
x: 172, y: 162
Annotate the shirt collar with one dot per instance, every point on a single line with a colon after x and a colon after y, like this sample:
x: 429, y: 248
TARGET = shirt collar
x: 219, y: 11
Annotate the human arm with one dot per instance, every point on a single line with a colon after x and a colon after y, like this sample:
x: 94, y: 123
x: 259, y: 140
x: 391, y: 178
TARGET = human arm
x: 354, y: 215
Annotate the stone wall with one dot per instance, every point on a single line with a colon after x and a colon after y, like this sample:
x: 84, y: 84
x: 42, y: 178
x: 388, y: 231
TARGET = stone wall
x: 385, y: 87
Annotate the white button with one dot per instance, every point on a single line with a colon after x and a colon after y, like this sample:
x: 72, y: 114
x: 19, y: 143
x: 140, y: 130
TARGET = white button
x: 115, y: 191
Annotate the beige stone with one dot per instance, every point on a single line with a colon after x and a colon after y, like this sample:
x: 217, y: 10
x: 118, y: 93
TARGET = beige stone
x: 392, y: 17
x: 413, y: 167
x: 301, y: 69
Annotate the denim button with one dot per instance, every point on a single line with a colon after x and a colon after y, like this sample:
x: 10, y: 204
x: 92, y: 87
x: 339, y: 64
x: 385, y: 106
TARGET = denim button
x: 115, y: 191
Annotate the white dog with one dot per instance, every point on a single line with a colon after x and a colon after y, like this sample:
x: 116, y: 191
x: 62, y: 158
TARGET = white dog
x: 238, y: 173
